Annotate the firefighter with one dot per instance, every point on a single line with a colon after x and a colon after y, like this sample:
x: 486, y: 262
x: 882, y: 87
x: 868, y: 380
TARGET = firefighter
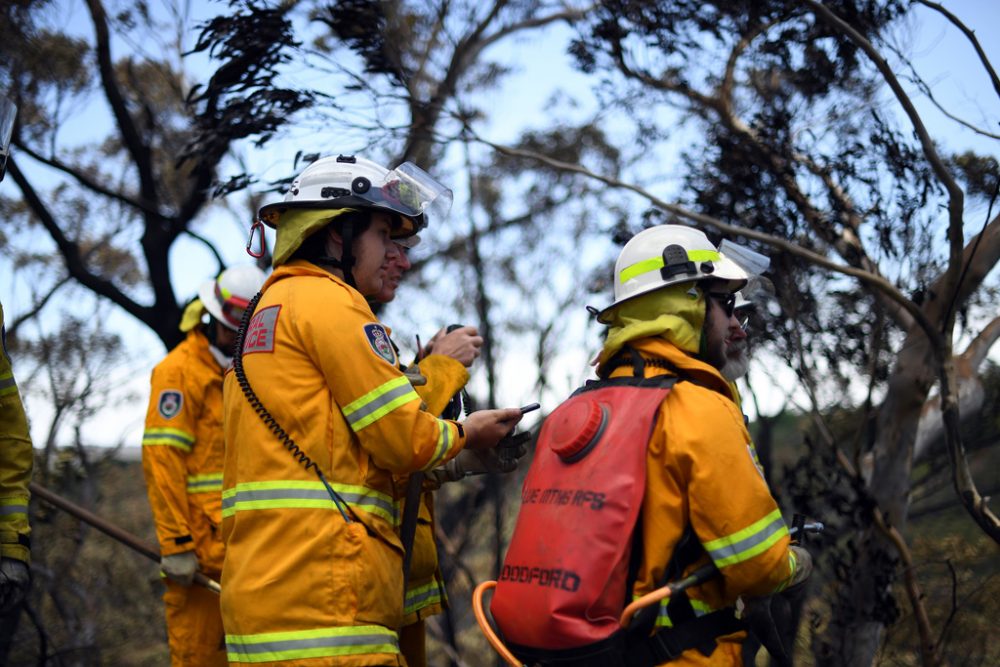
x: 441, y: 373
x: 673, y: 312
x: 15, y: 474
x: 182, y: 462
x: 320, y: 421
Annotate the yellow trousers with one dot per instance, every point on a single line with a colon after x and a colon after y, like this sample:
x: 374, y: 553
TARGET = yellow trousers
x: 194, y: 626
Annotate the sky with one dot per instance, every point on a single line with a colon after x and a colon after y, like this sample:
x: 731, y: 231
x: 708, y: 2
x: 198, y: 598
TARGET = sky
x: 539, y: 68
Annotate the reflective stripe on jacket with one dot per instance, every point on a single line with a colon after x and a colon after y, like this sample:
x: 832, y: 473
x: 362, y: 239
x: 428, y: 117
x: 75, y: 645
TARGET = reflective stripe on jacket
x: 701, y: 469
x: 182, y: 451
x: 301, y: 583
x: 16, y: 457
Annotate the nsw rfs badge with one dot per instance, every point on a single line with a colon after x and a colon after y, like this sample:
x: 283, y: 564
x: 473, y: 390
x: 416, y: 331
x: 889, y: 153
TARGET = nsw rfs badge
x: 379, y: 340
x: 170, y: 403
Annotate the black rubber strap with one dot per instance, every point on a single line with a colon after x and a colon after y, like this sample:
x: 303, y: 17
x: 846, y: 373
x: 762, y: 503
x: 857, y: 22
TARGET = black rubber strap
x: 669, y: 643
x: 408, y: 529
x: 665, y: 645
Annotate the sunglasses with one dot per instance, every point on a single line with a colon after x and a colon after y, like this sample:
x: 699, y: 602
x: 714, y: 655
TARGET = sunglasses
x: 725, y: 299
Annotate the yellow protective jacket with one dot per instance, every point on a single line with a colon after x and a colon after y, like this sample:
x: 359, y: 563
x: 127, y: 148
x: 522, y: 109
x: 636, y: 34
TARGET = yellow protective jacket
x: 702, y: 472
x: 15, y: 463
x: 425, y: 590
x: 182, y: 452
x: 302, y: 584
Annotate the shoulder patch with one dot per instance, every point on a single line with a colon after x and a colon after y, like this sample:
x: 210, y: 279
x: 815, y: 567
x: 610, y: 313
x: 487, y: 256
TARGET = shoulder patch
x: 260, y: 331
x: 170, y: 403
x: 379, y: 340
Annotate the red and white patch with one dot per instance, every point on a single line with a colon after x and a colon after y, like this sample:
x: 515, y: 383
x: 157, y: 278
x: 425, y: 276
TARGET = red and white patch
x: 260, y: 332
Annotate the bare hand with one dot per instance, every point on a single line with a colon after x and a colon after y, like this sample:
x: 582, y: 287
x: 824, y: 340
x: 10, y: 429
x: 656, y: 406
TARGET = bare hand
x: 485, y: 428
x: 462, y: 344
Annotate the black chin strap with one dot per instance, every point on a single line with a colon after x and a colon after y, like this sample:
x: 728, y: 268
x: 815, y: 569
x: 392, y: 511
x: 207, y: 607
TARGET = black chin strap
x: 346, y: 261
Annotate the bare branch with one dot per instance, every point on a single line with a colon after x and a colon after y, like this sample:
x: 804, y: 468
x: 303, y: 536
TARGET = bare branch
x: 495, y: 225
x: 919, y: 82
x: 728, y: 79
x: 956, y: 197
x: 700, y: 100
x: 977, y: 350
x: 929, y: 649
x: 425, y: 114
x: 86, y: 181
x: 71, y: 252
x: 208, y: 245
x: 36, y: 308
x: 971, y: 35
x: 420, y: 73
x: 568, y: 15
x: 132, y: 138
x: 848, y: 242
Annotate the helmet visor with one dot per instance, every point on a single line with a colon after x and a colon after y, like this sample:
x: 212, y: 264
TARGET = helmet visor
x: 408, y: 191
x: 413, y: 188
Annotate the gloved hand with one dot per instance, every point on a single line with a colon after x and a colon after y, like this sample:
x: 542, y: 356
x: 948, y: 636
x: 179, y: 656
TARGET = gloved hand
x: 180, y: 567
x: 503, y: 458
x: 771, y: 618
x: 414, y: 375
x: 14, y: 580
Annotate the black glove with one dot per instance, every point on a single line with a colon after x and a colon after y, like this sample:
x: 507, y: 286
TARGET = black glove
x: 771, y: 619
x: 500, y: 459
x: 512, y: 448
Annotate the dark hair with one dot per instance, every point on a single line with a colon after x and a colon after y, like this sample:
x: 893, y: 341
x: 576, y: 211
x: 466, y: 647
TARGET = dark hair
x: 313, y: 248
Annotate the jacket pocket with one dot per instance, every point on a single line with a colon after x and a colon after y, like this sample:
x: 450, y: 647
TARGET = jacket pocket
x: 378, y: 580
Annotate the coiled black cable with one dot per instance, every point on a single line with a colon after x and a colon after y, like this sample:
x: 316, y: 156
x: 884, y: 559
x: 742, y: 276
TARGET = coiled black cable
x: 268, y: 419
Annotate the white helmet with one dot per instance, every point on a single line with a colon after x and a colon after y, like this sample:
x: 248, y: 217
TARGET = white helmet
x: 228, y: 296
x: 353, y: 182
x: 666, y: 255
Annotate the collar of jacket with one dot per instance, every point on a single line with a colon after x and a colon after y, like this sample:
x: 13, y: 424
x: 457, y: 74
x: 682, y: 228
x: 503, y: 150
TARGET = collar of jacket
x: 199, y: 341
x: 300, y: 267
x: 656, y: 347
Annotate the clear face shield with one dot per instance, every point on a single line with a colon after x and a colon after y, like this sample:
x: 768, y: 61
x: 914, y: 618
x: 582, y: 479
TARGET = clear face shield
x: 412, y: 192
x: 758, y: 294
x: 8, y: 111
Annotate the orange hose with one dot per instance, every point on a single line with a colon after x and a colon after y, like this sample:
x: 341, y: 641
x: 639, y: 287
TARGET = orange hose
x: 484, y: 624
x: 646, y: 600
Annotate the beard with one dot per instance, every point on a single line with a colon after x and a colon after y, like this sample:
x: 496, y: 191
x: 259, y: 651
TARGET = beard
x: 737, y: 360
